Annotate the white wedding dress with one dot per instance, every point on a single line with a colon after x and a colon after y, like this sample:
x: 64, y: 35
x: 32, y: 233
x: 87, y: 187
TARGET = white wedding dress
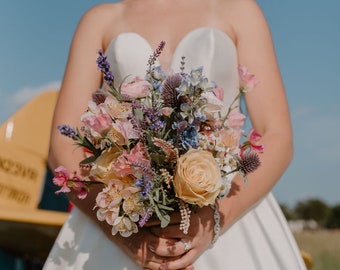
x: 260, y: 240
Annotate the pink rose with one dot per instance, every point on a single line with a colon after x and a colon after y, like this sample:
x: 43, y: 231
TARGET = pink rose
x: 136, y: 89
x: 99, y: 123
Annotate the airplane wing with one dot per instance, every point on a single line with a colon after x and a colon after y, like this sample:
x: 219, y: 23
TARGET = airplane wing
x: 24, y: 142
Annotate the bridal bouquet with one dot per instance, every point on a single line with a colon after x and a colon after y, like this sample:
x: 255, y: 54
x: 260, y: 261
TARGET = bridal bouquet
x: 159, y: 144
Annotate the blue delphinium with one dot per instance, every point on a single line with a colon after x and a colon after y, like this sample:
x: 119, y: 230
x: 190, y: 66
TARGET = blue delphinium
x: 189, y: 137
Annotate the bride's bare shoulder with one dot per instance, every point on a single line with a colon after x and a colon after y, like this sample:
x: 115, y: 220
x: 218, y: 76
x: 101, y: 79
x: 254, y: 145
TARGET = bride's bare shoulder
x: 239, y: 5
x: 102, y: 21
x: 103, y: 12
x: 241, y: 12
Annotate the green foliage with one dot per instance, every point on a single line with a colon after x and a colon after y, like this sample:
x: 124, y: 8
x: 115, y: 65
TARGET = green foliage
x: 287, y: 212
x: 334, y: 218
x: 313, y: 209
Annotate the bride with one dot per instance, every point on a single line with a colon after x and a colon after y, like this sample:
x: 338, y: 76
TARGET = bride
x: 216, y: 34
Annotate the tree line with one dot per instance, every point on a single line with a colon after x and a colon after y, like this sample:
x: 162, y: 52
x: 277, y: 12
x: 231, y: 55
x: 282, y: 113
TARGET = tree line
x: 327, y: 216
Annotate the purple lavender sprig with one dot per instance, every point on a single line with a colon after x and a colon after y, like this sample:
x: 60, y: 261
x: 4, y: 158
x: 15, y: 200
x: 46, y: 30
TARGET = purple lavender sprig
x: 104, y: 66
x: 156, y: 54
x: 82, y: 141
x: 146, y: 215
x: 68, y: 131
x: 145, y: 184
x: 149, y: 118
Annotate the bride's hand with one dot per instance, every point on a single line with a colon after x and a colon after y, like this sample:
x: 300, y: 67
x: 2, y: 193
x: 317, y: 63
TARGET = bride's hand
x: 141, y: 247
x: 191, y: 245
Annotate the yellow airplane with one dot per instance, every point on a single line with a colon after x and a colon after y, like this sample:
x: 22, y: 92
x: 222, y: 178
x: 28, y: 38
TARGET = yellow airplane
x: 25, y: 227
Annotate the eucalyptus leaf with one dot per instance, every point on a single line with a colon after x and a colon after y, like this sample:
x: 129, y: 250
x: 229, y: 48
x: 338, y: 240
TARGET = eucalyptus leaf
x: 165, y: 221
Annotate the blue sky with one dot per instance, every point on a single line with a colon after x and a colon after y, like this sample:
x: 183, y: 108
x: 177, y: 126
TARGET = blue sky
x: 34, y: 43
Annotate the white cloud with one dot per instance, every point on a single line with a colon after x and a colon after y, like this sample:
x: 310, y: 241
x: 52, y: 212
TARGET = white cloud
x: 11, y: 102
x: 25, y: 94
x: 302, y: 111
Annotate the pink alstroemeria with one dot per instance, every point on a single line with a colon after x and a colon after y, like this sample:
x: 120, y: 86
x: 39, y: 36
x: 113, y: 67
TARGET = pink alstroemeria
x: 247, y: 79
x: 254, y: 139
x: 79, y: 186
x: 253, y: 143
x: 125, y: 164
x: 61, y: 179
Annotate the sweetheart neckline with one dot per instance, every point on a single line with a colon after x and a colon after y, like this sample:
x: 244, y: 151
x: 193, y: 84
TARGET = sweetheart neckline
x: 178, y: 45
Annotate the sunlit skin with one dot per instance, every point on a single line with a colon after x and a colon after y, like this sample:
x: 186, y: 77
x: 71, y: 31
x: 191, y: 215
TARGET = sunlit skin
x: 154, y: 248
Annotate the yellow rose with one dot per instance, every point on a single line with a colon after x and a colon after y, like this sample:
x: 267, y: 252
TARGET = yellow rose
x: 197, y: 178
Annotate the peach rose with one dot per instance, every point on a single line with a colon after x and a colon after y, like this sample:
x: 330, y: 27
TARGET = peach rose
x: 197, y: 178
x: 102, y: 169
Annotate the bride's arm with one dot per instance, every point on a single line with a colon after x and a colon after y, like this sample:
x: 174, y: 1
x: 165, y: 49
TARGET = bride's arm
x: 268, y: 111
x: 267, y: 108
x: 81, y: 79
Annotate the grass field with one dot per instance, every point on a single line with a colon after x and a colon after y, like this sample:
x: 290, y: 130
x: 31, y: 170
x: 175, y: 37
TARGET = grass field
x: 323, y: 246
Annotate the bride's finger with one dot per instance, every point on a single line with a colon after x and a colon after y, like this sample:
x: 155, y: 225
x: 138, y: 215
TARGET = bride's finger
x: 183, y: 262
x: 170, y: 248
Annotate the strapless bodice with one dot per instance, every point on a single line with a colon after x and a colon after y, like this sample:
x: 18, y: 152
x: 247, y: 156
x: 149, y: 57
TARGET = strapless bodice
x: 128, y: 54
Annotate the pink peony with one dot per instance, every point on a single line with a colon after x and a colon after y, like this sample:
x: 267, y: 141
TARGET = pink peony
x: 136, y: 89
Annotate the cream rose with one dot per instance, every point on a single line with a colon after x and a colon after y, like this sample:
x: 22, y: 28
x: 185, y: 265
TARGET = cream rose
x: 197, y: 178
